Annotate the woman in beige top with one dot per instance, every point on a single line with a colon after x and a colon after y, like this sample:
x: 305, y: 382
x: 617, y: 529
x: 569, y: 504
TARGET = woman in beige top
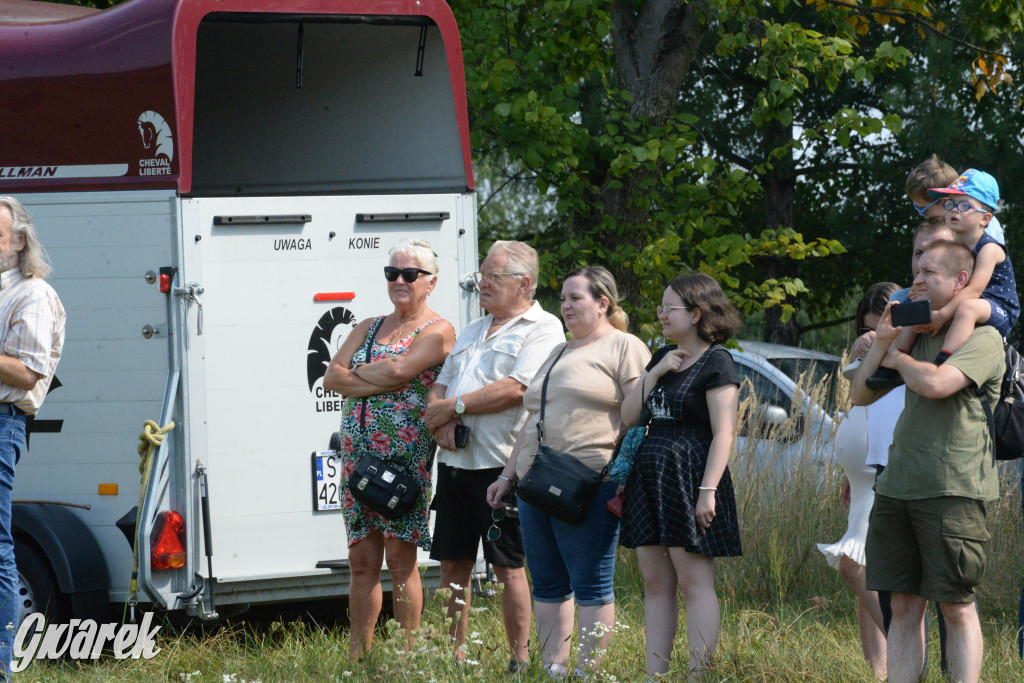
x: 595, y: 371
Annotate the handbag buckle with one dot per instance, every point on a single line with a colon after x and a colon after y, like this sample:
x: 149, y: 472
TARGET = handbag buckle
x: 362, y: 483
x: 393, y: 502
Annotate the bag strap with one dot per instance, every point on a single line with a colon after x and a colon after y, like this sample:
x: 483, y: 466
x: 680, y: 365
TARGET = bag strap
x: 989, y: 417
x: 544, y: 396
x: 369, y: 354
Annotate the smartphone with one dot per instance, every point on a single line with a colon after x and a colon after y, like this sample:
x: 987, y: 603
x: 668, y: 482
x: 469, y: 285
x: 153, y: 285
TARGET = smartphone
x: 461, y: 436
x: 911, y: 313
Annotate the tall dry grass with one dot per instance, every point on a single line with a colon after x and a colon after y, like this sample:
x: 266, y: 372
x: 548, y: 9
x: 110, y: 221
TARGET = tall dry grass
x: 786, y: 616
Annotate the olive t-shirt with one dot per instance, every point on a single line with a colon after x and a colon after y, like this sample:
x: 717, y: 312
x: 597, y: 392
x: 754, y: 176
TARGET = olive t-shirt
x: 942, y: 447
x: 582, y: 413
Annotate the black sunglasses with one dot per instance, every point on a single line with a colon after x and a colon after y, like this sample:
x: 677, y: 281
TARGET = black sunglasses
x: 408, y: 274
x: 494, y: 533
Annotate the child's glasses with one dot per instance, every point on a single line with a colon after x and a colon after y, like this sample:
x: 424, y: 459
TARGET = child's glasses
x: 963, y: 206
x: 494, y: 533
x: 408, y: 274
x: 921, y: 210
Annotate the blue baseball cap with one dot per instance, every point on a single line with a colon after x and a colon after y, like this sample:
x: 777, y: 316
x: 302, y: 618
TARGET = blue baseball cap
x: 973, y: 183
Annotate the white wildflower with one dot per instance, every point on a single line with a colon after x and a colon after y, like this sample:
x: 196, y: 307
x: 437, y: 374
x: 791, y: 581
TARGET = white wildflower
x: 455, y: 586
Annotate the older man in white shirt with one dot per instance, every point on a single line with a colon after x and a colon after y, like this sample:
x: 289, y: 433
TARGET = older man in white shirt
x: 478, y: 397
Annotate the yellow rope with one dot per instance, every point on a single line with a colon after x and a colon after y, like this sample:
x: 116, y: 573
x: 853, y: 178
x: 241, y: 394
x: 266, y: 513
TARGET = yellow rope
x: 151, y: 437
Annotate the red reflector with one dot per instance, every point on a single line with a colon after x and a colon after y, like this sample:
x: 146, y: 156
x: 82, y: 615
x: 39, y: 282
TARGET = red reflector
x: 334, y: 296
x: 168, y: 542
x: 165, y: 283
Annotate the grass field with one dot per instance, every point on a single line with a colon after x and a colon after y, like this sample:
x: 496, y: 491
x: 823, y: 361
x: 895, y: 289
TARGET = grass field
x: 786, y: 615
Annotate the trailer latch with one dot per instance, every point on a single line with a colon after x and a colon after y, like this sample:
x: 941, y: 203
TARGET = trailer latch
x: 191, y: 291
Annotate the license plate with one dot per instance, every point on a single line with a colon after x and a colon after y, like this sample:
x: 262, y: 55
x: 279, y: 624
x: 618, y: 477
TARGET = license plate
x: 326, y: 481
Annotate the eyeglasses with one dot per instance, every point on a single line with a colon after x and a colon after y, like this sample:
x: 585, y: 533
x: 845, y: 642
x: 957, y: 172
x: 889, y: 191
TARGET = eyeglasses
x: 492, y: 277
x: 864, y: 330
x: 664, y: 311
x: 494, y: 533
x: 963, y: 206
x: 408, y: 274
x: 921, y: 211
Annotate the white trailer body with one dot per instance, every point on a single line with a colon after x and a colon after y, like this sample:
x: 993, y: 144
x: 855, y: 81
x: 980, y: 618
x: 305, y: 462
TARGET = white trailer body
x: 319, y: 134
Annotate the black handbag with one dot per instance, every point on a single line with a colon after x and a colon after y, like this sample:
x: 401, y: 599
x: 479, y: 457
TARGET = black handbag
x: 557, y: 484
x: 377, y: 484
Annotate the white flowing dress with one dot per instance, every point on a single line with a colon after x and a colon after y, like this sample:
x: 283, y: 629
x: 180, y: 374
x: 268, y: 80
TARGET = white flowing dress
x: 851, y: 449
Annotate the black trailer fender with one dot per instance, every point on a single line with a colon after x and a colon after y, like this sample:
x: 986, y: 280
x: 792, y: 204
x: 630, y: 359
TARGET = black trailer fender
x: 72, y: 552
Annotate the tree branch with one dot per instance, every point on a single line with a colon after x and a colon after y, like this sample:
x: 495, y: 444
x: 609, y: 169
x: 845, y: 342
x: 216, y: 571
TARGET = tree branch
x: 903, y: 14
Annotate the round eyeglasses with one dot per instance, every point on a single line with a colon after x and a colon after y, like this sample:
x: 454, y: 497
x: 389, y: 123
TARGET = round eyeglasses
x: 665, y: 311
x: 921, y: 210
x: 963, y: 206
x: 391, y: 273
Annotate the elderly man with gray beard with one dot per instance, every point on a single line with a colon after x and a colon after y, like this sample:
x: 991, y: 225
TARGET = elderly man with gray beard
x: 31, y: 339
x: 478, y: 397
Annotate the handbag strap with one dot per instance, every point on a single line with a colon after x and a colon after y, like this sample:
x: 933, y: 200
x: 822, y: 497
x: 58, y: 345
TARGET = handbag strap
x: 369, y: 354
x: 544, y: 396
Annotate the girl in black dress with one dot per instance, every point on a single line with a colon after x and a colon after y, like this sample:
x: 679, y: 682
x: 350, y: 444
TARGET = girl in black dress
x: 680, y: 510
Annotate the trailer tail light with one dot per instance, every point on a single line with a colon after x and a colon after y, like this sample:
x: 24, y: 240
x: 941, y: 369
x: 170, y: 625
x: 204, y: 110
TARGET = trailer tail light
x: 166, y: 279
x: 168, y: 542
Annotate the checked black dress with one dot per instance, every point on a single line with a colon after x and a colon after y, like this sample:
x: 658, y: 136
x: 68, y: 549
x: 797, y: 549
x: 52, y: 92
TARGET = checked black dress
x: 661, y: 491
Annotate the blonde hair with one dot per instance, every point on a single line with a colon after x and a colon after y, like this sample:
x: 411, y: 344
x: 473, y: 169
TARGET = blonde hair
x: 419, y: 250
x: 602, y: 284
x: 32, y: 259
x: 522, y: 260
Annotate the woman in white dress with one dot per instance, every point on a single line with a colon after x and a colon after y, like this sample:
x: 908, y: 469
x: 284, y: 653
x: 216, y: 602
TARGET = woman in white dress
x: 861, y: 442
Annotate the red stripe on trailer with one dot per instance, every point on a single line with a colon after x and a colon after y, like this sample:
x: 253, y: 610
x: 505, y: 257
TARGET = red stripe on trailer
x: 334, y: 296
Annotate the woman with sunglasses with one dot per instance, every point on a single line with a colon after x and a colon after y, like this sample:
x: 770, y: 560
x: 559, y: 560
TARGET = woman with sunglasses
x: 680, y: 510
x: 385, y: 369
x: 574, y: 564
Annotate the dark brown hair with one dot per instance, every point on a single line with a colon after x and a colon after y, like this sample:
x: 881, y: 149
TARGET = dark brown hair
x: 932, y: 172
x: 719, y: 319
x: 873, y: 301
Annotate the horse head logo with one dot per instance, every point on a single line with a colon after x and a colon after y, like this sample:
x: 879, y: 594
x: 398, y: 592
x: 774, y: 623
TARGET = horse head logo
x: 156, y: 135
x: 321, y: 349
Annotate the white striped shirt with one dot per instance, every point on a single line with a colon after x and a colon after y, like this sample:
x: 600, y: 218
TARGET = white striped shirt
x: 32, y: 331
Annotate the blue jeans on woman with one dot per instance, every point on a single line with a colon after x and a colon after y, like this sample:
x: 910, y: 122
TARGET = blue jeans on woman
x: 572, y: 560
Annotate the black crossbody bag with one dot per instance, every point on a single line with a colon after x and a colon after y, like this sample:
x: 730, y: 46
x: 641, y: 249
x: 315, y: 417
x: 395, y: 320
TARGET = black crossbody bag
x: 557, y: 484
x: 376, y: 483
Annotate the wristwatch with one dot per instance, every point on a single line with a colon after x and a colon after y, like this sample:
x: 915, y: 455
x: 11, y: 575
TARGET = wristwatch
x: 460, y: 407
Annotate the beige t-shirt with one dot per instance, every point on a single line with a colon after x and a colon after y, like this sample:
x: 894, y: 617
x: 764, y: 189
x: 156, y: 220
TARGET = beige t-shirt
x: 581, y: 414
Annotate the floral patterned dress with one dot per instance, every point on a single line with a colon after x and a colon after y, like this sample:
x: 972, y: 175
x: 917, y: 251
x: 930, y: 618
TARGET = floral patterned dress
x: 395, y: 432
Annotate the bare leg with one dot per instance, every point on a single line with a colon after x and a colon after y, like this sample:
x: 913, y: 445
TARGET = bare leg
x: 457, y: 573
x: 968, y: 314
x: 596, y: 624
x: 869, y: 616
x: 964, y: 643
x: 515, y: 607
x: 696, y: 577
x: 408, y: 591
x: 661, y: 606
x: 554, y: 629
x: 365, y: 596
x: 906, y: 638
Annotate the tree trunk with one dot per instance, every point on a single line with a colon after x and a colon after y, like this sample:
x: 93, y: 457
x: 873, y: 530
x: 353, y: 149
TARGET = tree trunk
x: 779, y: 189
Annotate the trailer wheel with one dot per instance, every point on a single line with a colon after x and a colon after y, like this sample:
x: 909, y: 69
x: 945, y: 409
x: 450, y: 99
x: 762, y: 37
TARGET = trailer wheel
x: 37, y: 586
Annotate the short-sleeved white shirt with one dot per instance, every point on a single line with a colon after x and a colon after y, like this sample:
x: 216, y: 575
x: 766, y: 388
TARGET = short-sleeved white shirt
x: 31, y: 330
x: 516, y: 350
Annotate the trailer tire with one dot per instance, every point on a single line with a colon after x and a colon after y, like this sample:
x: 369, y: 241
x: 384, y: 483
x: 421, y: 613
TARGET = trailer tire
x: 37, y: 585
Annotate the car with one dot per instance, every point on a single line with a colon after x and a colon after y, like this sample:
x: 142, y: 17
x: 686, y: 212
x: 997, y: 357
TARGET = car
x: 788, y: 402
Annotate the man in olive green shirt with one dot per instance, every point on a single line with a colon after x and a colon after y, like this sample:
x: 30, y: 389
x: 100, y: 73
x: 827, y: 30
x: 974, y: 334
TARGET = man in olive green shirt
x: 927, y: 535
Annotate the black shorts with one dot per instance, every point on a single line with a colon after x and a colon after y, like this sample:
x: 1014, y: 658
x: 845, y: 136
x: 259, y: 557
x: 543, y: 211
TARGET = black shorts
x: 463, y: 518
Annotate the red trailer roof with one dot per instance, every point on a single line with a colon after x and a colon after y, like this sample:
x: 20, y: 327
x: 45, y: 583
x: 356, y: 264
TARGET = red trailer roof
x: 105, y: 99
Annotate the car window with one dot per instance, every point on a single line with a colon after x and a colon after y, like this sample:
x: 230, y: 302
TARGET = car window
x: 765, y: 391
x: 823, y: 376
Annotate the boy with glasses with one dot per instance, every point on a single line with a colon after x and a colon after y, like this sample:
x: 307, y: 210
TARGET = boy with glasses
x: 990, y: 297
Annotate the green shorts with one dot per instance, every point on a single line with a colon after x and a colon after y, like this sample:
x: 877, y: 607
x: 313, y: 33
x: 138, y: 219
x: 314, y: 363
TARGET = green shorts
x: 934, y: 547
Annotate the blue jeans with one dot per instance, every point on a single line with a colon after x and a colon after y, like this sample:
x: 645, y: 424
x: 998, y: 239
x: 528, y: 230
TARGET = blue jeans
x: 572, y: 560
x: 12, y: 441
x: 1020, y: 607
